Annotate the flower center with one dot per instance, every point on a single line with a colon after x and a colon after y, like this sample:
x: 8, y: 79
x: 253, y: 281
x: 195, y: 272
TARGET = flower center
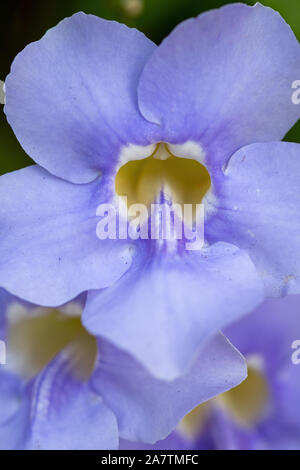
x: 247, y: 402
x: 182, y: 180
x: 244, y: 403
x: 35, y: 338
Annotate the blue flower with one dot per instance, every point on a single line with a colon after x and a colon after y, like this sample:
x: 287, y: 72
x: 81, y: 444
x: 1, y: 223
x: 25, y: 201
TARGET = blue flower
x: 61, y: 388
x: 263, y: 412
x: 105, y: 113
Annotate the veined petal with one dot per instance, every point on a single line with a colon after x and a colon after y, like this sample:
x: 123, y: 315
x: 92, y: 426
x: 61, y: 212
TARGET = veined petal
x: 165, y: 308
x: 14, y: 412
x: 66, y: 413
x: 257, y: 210
x: 56, y: 409
x: 11, y: 390
x: 49, y: 249
x: 148, y: 409
x: 224, y: 80
x: 71, y: 97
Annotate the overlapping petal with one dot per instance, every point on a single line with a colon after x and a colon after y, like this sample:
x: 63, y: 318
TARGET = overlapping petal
x: 166, y: 307
x: 71, y: 97
x: 66, y: 413
x: 55, y: 409
x: 224, y: 80
x: 10, y: 392
x: 148, y: 409
x: 49, y: 250
x: 257, y: 210
x: 14, y: 412
x: 227, y: 434
x: 279, y: 326
x: 265, y: 337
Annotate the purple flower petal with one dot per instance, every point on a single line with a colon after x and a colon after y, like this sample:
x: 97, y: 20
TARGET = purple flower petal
x: 49, y: 250
x: 173, y: 442
x: 264, y: 337
x: 71, y: 97
x: 166, y: 307
x: 277, y: 320
x: 14, y: 412
x: 11, y: 390
x: 224, y: 80
x: 257, y: 210
x: 67, y: 414
x: 227, y: 434
x: 148, y: 409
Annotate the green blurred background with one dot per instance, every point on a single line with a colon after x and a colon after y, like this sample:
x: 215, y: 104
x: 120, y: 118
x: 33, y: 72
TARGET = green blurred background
x: 25, y: 21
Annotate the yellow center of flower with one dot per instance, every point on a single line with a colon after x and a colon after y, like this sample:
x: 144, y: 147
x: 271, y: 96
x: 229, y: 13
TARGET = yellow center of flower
x: 183, y: 180
x: 245, y: 404
x: 36, y: 337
